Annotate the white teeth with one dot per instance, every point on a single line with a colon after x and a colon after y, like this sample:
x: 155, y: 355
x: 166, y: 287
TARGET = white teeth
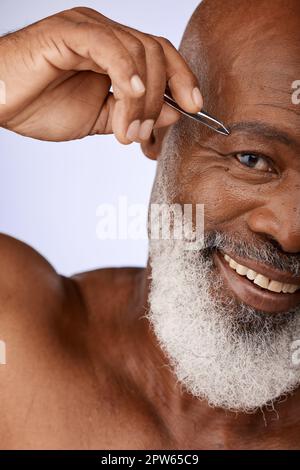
x: 232, y: 264
x: 275, y: 286
x: 292, y: 289
x: 251, y: 275
x: 260, y: 279
x: 241, y: 270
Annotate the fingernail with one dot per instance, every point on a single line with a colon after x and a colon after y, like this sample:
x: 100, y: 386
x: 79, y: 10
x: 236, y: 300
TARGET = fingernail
x: 137, y: 84
x: 197, y: 98
x: 146, y: 129
x: 133, y: 130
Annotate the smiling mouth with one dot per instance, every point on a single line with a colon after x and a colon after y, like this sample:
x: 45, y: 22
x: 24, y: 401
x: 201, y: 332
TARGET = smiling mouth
x: 261, y: 280
x: 257, y: 285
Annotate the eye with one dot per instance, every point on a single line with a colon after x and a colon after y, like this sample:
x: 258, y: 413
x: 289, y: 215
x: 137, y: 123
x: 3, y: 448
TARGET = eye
x: 252, y: 160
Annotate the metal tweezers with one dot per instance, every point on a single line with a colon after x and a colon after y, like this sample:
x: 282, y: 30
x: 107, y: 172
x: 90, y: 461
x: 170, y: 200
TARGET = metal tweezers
x: 201, y: 117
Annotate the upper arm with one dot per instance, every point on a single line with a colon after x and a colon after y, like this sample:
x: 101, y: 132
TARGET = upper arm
x: 32, y: 296
x: 34, y: 321
x: 27, y: 280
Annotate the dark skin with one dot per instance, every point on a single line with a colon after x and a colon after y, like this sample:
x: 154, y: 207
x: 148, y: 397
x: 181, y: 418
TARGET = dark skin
x: 84, y: 370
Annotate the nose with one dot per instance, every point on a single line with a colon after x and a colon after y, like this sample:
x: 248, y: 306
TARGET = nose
x: 279, y: 219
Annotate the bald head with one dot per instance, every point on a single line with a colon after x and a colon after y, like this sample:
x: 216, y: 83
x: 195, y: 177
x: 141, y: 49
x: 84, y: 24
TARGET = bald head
x: 230, y: 42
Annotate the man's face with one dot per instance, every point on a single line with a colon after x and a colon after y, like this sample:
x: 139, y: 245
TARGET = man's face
x: 249, y: 182
x: 228, y: 328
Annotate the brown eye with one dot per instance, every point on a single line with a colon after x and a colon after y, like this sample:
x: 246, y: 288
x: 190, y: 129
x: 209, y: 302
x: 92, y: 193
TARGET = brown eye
x: 257, y: 162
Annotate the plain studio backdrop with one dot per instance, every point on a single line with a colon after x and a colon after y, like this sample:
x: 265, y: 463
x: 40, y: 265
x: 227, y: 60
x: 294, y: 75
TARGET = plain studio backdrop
x: 50, y: 193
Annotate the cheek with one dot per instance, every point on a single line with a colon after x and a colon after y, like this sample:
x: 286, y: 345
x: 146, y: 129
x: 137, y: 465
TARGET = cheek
x: 225, y: 199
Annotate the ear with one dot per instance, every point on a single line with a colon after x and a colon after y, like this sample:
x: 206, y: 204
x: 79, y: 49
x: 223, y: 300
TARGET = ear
x: 152, y: 147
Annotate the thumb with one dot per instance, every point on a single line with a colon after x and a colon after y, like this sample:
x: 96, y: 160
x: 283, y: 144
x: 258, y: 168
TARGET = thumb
x: 103, y: 124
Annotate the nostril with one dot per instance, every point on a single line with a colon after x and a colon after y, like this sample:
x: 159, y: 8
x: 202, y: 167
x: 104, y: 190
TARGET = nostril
x: 287, y: 247
x: 272, y: 240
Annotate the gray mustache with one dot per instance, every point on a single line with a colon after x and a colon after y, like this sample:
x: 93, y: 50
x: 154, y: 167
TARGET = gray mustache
x: 258, y: 250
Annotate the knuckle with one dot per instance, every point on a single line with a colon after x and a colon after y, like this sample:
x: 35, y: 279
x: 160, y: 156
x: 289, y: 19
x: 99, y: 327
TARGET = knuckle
x: 165, y: 42
x: 137, y: 48
x: 153, y: 46
x: 93, y: 31
x: 84, y: 26
x: 122, y: 64
x: 83, y: 10
x: 191, y: 76
x: 123, y: 61
x: 154, y: 107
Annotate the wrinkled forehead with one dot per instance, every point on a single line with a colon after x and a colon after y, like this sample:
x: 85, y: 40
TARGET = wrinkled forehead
x: 265, y: 74
x: 244, y: 51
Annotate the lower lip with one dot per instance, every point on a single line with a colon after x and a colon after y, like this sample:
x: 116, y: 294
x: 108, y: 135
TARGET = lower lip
x: 252, y: 295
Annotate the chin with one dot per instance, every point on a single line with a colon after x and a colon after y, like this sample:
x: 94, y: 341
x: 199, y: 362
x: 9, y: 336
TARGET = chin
x: 232, y: 354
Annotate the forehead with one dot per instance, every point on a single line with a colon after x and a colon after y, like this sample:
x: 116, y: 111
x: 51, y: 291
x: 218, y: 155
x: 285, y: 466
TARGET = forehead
x: 256, y: 81
x: 251, y: 51
x: 266, y: 67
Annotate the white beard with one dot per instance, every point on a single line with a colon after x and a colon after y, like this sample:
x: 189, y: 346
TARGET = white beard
x: 225, y: 352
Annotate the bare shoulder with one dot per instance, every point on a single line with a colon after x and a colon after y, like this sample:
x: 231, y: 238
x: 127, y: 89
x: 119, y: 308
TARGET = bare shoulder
x: 60, y: 336
x: 110, y: 290
x: 31, y: 290
x: 39, y: 305
x: 27, y: 280
x: 41, y: 313
x: 33, y: 298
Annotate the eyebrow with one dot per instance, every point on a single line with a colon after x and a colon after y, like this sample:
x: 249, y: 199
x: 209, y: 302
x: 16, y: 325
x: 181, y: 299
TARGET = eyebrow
x: 267, y: 131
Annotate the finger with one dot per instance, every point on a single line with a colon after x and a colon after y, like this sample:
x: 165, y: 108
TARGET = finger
x: 86, y: 12
x: 155, y: 86
x: 103, y: 124
x: 167, y: 117
x: 100, y: 46
x: 105, y: 120
x: 129, y: 112
x: 181, y: 80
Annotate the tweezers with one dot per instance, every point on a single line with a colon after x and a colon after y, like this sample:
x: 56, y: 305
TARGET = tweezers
x: 201, y: 117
